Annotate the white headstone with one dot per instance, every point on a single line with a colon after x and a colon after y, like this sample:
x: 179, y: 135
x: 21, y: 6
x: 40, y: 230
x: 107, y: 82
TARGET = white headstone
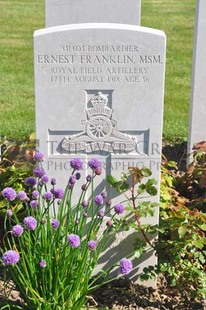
x: 99, y: 93
x: 63, y: 12
x: 197, y: 131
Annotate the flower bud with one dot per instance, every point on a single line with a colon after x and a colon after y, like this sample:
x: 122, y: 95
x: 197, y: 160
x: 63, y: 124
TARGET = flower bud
x: 70, y: 186
x: 84, y: 187
x: 9, y: 213
x: 108, y: 203
x: 109, y: 223
x: 78, y: 175
x: 104, y: 194
x: 53, y: 181
x: 89, y: 178
x: 99, y: 200
x: 101, y: 213
x: 98, y: 171
x: 85, y: 203
x: 72, y: 179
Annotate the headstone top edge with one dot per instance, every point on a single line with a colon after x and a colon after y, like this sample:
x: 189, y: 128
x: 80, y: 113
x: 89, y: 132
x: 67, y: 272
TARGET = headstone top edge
x: 111, y: 26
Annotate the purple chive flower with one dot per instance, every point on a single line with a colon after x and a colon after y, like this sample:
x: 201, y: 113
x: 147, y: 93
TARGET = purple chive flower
x: 85, y: 203
x: 89, y: 178
x: 72, y: 179
x: 44, y: 179
x: 9, y: 213
x: 17, y: 230
x: 94, y: 163
x: 35, y: 194
x: 38, y: 156
x: 58, y: 193
x: 38, y: 172
x: 76, y: 164
x: 99, y: 200
x: 73, y: 240
x: 125, y: 266
x: 9, y: 193
x: 92, y: 245
x: 119, y: 208
x: 30, y: 222
x: 10, y: 257
x: 53, y: 181
x: 34, y: 204
x: 47, y: 196
x: 101, y: 213
x: 22, y: 196
x: 55, y: 224
x: 31, y: 182
x: 42, y: 263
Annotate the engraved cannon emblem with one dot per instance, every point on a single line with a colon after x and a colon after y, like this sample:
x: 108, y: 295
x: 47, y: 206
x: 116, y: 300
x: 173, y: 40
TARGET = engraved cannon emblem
x: 99, y: 125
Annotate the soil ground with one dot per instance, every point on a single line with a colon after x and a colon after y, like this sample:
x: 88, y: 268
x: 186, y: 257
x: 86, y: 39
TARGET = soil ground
x: 123, y: 294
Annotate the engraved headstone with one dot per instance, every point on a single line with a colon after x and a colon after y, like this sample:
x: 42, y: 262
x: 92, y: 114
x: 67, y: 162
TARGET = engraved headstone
x: 63, y: 12
x: 197, y: 131
x: 99, y: 94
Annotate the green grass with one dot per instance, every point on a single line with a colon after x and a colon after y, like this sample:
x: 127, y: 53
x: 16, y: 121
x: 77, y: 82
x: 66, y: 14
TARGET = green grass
x: 176, y: 18
x: 18, y: 21
x: 20, y: 18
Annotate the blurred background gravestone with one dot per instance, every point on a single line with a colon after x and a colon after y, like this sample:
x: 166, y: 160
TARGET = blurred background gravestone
x: 197, y: 130
x: 63, y: 12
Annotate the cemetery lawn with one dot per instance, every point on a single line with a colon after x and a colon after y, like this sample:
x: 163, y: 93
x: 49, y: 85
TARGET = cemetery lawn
x: 176, y: 18
x: 20, y: 19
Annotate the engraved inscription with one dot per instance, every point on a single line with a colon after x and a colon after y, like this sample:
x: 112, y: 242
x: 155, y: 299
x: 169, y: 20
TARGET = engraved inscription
x: 100, y: 129
x: 101, y: 48
x: 99, y: 64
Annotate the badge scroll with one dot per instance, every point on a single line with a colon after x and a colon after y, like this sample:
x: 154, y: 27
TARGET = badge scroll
x: 100, y: 131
